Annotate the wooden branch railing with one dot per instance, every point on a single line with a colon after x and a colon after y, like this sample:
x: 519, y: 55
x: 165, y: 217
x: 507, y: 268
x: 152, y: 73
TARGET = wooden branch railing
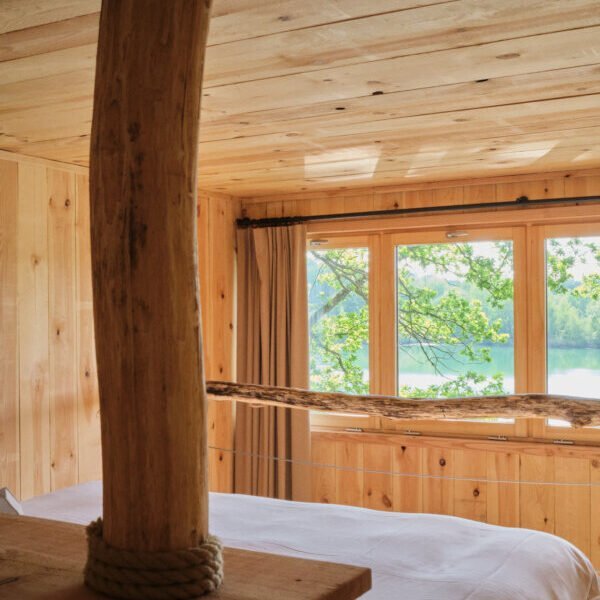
x: 579, y: 412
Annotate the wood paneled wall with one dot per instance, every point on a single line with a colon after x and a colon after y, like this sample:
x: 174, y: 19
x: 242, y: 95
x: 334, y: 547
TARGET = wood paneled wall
x: 49, y: 425
x: 465, y: 478
x: 217, y: 239
x: 49, y: 413
x: 535, y: 186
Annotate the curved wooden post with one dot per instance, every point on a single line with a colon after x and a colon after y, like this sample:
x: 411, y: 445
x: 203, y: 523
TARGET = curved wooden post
x: 145, y: 272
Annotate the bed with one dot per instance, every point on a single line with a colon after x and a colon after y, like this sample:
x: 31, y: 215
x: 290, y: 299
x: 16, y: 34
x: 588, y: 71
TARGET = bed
x: 412, y: 556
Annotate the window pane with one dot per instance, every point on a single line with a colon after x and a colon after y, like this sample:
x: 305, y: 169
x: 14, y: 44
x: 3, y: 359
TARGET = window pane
x: 455, y: 319
x: 573, y: 317
x: 338, y: 305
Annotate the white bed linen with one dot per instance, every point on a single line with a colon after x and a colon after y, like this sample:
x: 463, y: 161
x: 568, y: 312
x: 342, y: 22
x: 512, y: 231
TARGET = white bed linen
x: 413, y: 557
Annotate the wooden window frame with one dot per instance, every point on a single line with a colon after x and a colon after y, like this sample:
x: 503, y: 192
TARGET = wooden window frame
x: 345, y: 422
x: 540, y: 428
x: 464, y: 427
x: 528, y: 228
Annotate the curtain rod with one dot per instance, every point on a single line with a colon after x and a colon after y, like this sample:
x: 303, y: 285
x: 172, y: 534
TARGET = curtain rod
x: 520, y: 202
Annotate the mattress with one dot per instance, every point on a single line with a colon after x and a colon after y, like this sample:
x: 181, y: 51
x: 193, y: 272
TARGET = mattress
x: 412, y: 556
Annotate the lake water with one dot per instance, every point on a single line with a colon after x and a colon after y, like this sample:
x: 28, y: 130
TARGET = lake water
x: 572, y: 371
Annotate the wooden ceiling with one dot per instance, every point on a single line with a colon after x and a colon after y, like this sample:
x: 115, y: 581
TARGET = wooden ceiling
x: 314, y: 94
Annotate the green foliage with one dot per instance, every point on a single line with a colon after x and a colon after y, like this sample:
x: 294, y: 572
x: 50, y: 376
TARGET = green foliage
x: 446, y: 296
x: 454, y: 304
x: 467, y: 384
x: 339, y: 319
x: 337, y: 341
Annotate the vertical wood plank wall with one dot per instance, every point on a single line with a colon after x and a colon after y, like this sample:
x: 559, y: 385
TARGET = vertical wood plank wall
x: 217, y: 240
x: 49, y: 424
x: 49, y: 413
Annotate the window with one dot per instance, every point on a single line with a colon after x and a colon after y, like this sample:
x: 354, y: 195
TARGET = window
x: 421, y: 308
x: 455, y: 319
x: 338, y: 307
x: 573, y: 317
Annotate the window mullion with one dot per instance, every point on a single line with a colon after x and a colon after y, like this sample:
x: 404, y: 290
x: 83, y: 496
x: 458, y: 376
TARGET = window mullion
x: 536, y: 320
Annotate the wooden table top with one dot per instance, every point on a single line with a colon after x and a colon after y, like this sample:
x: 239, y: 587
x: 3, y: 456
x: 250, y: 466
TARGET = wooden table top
x: 41, y: 559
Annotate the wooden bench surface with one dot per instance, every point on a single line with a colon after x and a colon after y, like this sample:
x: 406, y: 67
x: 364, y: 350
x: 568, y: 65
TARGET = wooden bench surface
x: 41, y: 559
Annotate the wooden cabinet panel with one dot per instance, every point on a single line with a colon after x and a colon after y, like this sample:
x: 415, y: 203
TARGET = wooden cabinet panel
x: 378, y: 486
x: 349, y: 473
x: 323, y: 471
x: 503, y: 498
x: 595, y: 512
x: 470, y: 485
x: 537, y: 498
x: 572, y: 501
x: 408, y: 480
x: 438, y: 485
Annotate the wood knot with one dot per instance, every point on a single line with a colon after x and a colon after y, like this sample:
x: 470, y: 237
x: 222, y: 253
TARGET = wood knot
x: 595, y: 463
x: 508, y: 56
x: 476, y: 492
x: 134, y: 131
x: 386, y: 501
x: 442, y: 462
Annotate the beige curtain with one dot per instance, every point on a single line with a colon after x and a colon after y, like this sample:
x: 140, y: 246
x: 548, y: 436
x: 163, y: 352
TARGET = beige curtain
x: 272, y: 444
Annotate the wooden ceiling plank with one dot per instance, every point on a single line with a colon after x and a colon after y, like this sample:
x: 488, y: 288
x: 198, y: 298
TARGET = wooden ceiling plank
x: 50, y: 64
x: 503, y: 91
x: 392, y: 35
x: 498, y: 59
x: 393, y: 163
x: 78, y: 31
x: 16, y: 15
x: 82, y: 29
x: 534, y: 116
x: 234, y: 20
x: 576, y: 132
x: 458, y: 78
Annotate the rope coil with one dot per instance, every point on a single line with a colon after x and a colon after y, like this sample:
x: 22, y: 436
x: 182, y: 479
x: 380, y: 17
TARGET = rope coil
x: 131, y: 575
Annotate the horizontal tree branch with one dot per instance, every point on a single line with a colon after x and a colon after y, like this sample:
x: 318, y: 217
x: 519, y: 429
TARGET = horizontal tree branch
x: 579, y: 412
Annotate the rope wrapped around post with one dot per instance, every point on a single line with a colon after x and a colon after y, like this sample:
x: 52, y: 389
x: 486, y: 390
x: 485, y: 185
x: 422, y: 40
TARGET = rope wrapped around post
x: 132, y: 575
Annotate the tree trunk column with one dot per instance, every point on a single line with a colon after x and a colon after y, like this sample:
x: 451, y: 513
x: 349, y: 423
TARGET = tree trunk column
x: 145, y: 272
